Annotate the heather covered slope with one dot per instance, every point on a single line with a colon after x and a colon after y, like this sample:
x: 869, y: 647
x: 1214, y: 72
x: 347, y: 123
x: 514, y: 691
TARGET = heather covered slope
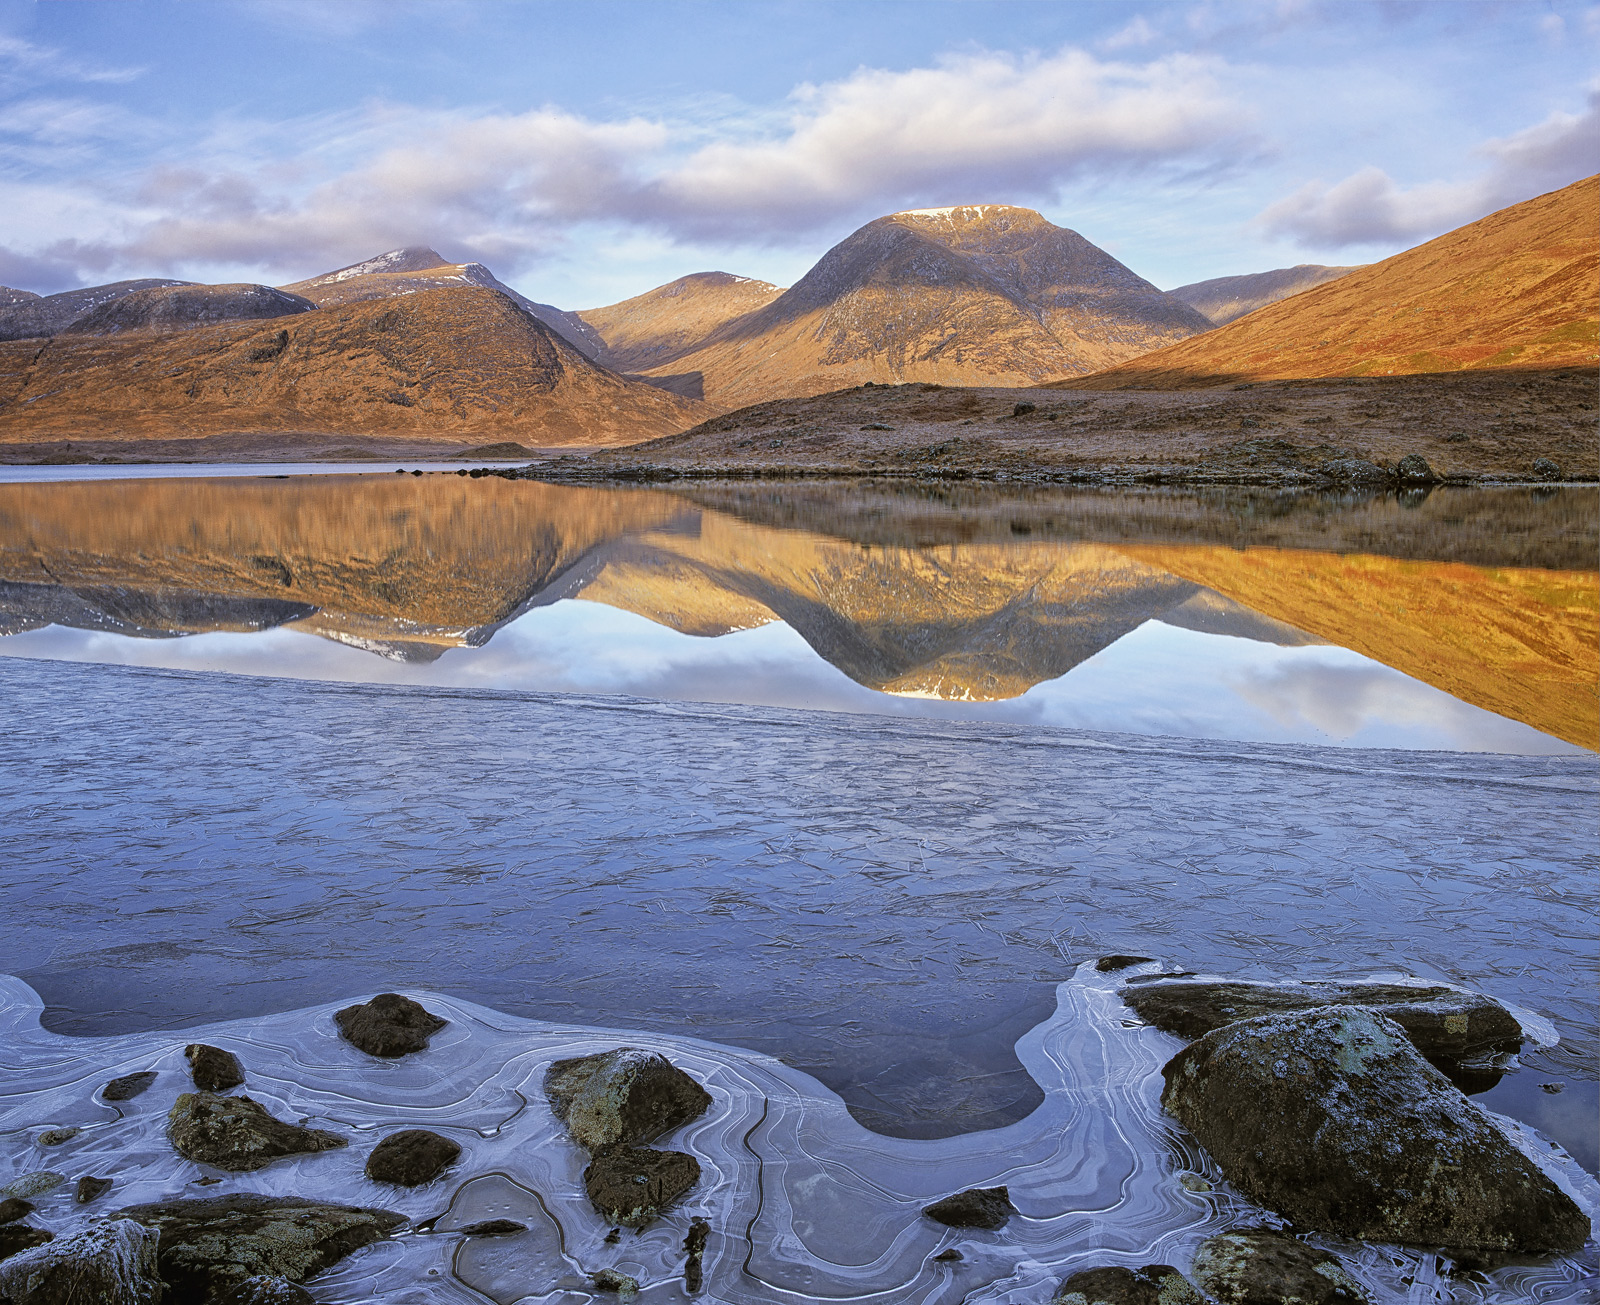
x: 461, y: 362
x: 977, y: 295
x: 1224, y: 299
x: 1515, y: 289
x: 653, y: 329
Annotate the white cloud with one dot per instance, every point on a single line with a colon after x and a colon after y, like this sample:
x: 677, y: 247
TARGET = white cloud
x: 1370, y: 207
x: 22, y: 63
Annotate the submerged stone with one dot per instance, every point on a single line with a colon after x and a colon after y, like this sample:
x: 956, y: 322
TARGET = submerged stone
x: 1332, y: 1118
x: 411, y: 1158
x: 128, y: 1086
x: 35, y: 1184
x: 213, y: 1244
x: 57, y: 1136
x: 977, y: 1207
x: 389, y: 1025
x: 214, y: 1069
x: 110, y: 1263
x: 631, y: 1185
x: 13, y: 1208
x: 238, y: 1134
x: 90, y: 1187
x: 694, y: 1249
x: 493, y: 1228
x: 1257, y: 1266
x: 1154, y: 1284
x: 626, y: 1095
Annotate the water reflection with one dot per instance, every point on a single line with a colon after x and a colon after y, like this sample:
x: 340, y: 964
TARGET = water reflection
x: 1231, y: 618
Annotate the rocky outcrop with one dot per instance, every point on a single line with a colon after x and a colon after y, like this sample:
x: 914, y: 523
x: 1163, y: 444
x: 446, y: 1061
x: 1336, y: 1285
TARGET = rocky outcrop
x: 977, y: 1207
x: 18, y: 1237
x: 128, y: 1086
x: 214, y: 1069
x: 632, y: 1185
x: 1257, y: 1266
x: 264, y: 1290
x: 13, y: 1208
x: 1154, y: 1284
x: 237, y: 1134
x: 1331, y: 1117
x: 213, y: 1245
x: 36, y: 317
x: 411, y: 1157
x: 389, y: 1025
x: 1447, y: 1026
x: 112, y: 1263
x: 627, y: 1095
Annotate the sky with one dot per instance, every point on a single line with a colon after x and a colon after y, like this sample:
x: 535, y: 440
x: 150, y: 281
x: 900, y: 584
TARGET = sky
x: 587, y: 152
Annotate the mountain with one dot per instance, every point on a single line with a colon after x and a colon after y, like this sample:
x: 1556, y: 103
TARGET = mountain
x: 462, y: 362
x: 1514, y: 289
x: 37, y: 317
x: 184, y: 307
x: 406, y: 271
x: 976, y: 295
x: 11, y: 298
x: 652, y: 329
x: 1225, y: 298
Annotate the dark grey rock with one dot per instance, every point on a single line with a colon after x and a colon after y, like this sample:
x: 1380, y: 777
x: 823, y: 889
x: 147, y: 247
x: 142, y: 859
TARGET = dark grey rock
x: 977, y: 1207
x: 128, y: 1086
x: 613, y: 1281
x: 1118, y: 961
x: 14, y: 1208
x: 411, y: 1158
x: 694, y: 1249
x: 264, y: 1290
x: 57, y: 1136
x: 622, y: 1096
x: 493, y: 1228
x: 1257, y: 1266
x: 1545, y: 469
x: 90, y: 1187
x: 1413, y: 469
x: 1354, y: 471
x: 1446, y: 1026
x: 214, y: 1069
x: 1331, y: 1117
x: 389, y: 1025
x: 1023, y: 409
x: 238, y: 1134
x: 180, y: 308
x: 18, y: 1237
x: 211, y: 1245
x: 111, y: 1263
x: 1154, y: 1284
x: 631, y: 1185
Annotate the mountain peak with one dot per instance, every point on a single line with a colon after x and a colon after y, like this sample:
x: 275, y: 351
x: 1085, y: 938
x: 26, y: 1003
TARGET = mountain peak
x: 967, y: 214
x: 413, y: 258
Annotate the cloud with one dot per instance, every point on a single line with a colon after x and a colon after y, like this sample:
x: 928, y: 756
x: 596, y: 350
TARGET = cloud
x: 1370, y: 207
x: 22, y: 63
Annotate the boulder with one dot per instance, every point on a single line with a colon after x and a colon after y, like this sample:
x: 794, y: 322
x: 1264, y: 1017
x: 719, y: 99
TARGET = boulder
x: 128, y: 1086
x: 260, y: 1289
x: 108, y: 1264
x: 611, y: 1280
x: 1413, y: 469
x: 1545, y: 469
x: 1119, y: 961
x: 694, y: 1249
x: 1154, y: 1284
x: 1354, y: 471
x: 1446, y: 1026
x: 13, y: 1208
x: 90, y: 1187
x: 493, y: 1228
x: 389, y: 1025
x: 411, y: 1158
x: 214, y: 1069
x: 211, y: 1245
x: 977, y: 1207
x: 58, y: 1136
x: 627, y: 1095
x: 18, y: 1237
x: 1332, y: 1118
x: 1256, y: 1266
x: 35, y: 1184
x: 238, y: 1134
x: 631, y: 1185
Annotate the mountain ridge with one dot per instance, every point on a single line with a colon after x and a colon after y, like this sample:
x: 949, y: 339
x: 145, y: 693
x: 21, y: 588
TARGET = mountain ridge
x: 1224, y: 299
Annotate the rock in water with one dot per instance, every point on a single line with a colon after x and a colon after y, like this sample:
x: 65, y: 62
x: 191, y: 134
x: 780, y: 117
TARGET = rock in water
x: 214, y: 1069
x: 237, y: 1133
x: 1256, y: 1266
x: 14, y: 1207
x: 90, y: 1187
x: 264, y: 1290
x: 1331, y: 1117
x: 18, y: 1237
x: 128, y: 1086
x: 1154, y: 1284
x: 694, y: 1249
x: 613, y: 1281
x: 1446, y: 1026
x: 978, y: 1207
x: 411, y: 1158
x: 631, y: 1185
x: 627, y: 1095
x: 1414, y: 469
x: 211, y: 1246
x: 389, y: 1025
x: 493, y: 1228
x: 107, y: 1264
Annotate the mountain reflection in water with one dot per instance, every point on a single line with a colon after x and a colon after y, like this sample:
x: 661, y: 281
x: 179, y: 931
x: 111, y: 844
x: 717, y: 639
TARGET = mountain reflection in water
x: 972, y: 604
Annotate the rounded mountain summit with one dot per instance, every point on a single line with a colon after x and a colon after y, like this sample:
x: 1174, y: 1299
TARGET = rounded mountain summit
x: 978, y: 294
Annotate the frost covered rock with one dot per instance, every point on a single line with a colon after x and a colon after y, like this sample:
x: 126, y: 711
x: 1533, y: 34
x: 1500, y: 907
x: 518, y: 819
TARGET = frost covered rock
x: 627, y: 1096
x: 977, y: 1207
x: 1154, y: 1284
x: 264, y: 1290
x: 211, y: 1246
x: 237, y: 1133
x: 1331, y: 1117
x: 214, y: 1069
x: 1256, y: 1266
x: 18, y: 1237
x: 389, y: 1025
x: 631, y: 1185
x: 107, y: 1264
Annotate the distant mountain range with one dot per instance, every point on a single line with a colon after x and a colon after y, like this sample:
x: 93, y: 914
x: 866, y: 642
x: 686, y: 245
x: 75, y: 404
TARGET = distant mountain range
x: 1224, y: 299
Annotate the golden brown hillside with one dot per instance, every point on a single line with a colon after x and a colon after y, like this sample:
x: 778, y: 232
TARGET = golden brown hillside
x: 653, y: 329
x: 1518, y: 288
x: 462, y: 362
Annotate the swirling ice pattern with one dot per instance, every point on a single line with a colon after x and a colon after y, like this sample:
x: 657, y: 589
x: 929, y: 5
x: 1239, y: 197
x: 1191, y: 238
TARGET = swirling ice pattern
x: 805, y: 1204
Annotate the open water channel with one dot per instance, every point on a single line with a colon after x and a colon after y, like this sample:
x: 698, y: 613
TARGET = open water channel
x: 829, y: 791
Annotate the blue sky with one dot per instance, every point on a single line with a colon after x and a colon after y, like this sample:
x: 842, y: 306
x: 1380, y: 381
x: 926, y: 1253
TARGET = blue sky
x: 587, y: 152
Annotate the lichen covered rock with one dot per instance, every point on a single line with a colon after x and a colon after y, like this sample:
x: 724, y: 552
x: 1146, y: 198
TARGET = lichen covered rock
x: 214, y: 1069
x: 111, y: 1263
x: 1153, y: 1284
x: 631, y: 1185
x: 1332, y: 1118
x: 1257, y: 1266
x: 624, y: 1096
x: 238, y: 1134
x: 264, y: 1290
x: 389, y: 1025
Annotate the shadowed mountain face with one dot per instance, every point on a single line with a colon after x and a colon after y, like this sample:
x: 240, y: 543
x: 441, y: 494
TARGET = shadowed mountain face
x: 11, y: 298
x: 181, y: 308
x: 36, y: 317
x: 1514, y: 289
x: 978, y: 295
x: 1225, y: 298
x: 409, y: 568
